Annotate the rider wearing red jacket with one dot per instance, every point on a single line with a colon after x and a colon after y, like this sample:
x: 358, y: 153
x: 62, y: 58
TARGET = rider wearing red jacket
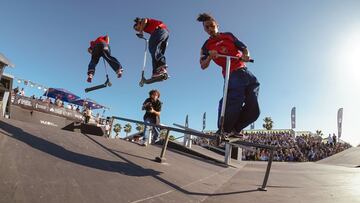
x: 159, y: 35
x: 242, y: 106
x: 101, y: 48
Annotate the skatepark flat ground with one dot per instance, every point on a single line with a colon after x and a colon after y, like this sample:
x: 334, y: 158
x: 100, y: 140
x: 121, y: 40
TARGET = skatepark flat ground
x: 44, y: 164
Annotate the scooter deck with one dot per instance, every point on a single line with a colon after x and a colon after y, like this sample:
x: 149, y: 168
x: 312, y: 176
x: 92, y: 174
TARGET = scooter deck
x: 106, y: 84
x: 153, y: 80
x: 227, y: 138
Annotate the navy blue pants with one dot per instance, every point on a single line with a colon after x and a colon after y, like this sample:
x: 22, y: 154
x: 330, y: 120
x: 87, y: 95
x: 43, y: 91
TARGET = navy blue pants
x: 103, y: 50
x: 157, y: 46
x: 242, y: 107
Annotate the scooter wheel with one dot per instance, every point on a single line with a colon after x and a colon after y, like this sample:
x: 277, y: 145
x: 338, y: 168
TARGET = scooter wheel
x: 166, y: 76
x: 109, y: 84
x: 141, y: 84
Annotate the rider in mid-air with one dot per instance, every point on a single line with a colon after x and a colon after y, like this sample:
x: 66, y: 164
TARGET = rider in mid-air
x: 242, y: 106
x: 101, y: 48
x: 159, y: 35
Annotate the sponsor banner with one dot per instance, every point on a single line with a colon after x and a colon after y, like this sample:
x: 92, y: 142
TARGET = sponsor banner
x: 340, y: 121
x: 37, y: 105
x: 204, y: 121
x: 293, y: 118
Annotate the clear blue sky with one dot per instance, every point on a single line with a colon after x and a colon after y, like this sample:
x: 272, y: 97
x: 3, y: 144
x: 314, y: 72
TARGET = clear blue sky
x: 306, y: 52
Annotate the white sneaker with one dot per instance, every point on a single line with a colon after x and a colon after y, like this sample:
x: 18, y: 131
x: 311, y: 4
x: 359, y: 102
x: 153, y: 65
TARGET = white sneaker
x: 143, y: 143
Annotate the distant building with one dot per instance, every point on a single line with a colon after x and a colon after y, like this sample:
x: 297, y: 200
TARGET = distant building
x: 5, y: 85
x: 3, y: 63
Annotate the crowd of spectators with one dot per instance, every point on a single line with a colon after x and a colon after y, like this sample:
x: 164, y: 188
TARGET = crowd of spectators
x: 301, y: 148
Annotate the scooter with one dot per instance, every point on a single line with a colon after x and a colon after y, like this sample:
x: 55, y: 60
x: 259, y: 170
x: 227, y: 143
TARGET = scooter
x: 143, y: 80
x: 226, y: 85
x: 107, y: 83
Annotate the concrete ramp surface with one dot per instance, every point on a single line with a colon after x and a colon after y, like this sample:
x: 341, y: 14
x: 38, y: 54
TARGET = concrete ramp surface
x: 349, y: 158
x: 45, y: 164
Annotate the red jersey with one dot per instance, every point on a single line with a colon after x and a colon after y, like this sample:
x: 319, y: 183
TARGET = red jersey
x: 226, y: 44
x: 101, y: 39
x: 153, y: 24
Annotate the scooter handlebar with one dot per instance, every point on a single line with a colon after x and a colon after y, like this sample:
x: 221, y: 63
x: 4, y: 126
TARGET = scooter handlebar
x: 235, y: 57
x: 141, y: 36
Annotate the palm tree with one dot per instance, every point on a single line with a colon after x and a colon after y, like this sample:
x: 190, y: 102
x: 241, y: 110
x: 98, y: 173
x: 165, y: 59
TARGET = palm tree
x: 319, y: 133
x: 163, y: 133
x: 172, y: 138
x: 117, y: 129
x: 268, y: 125
x: 127, y: 128
x: 140, y: 127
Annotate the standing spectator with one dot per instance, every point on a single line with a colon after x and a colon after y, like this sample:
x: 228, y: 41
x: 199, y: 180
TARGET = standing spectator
x: 330, y: 140
x: 22, y: 92
x: 107, y: 129
x: 334, y: 139
x: 152, y: 106
x: 87, y: 115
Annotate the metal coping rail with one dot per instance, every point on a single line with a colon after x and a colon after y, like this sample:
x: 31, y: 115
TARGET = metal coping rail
x: 198, y: 134
x: 195, y: 133
x: 167, y: 128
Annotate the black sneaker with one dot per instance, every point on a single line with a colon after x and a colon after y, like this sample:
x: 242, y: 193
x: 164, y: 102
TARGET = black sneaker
x: 159, y: 73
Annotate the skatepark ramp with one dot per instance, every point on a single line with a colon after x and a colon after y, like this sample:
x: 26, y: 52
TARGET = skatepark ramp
x: 45, y: 164
x: 348, y: 158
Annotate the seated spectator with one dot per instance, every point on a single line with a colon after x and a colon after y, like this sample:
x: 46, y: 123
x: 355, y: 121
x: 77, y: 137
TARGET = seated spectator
x: 22, y: 92
x: 16, y: 90
x: 292, y: 148
x: 58, y: 102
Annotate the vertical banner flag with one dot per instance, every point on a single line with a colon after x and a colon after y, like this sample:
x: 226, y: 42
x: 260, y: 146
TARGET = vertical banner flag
x: 186, y: 137
x: 204, y: 121
x: 293, y: 118
x: 252, y: 126
x: 339, y: 121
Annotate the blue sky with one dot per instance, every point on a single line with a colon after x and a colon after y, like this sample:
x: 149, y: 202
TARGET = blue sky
x: 306, y: 54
